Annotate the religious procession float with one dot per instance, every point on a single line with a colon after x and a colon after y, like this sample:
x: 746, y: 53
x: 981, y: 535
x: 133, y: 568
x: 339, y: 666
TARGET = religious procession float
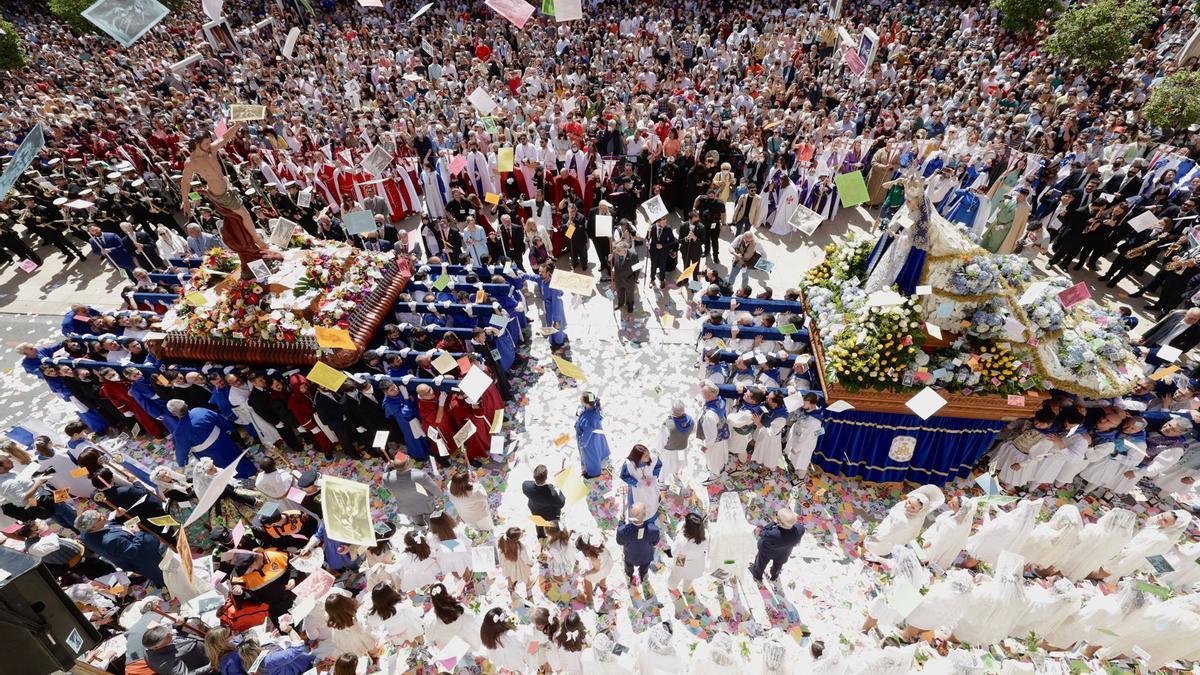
x: 323, y: 300
x: 927, y: 344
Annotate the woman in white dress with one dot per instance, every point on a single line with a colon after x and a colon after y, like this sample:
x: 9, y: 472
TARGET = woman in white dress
x: 1160, y: 631
x: 1005, y: 532
x: 689, y: 551
x: 169, y: 244
x: 435, y: 200
x: 904, y: 520
x: 640, y: 472
x: 1157, y: 537
x: 905, y: 569
x: 1098, y: 542
x: 416, y: 565
x: 948, y: 534
x: 942, y: 606
x: 450, y: 619
x: 505, y: 643
x: 995, y: 606
x: 659, y: 652
x: 1052, y: 541
x: 1103, y: 617
x: 596, y: 563
x: 470, y: 501
x: 716, y: 657
x: 392, y: 617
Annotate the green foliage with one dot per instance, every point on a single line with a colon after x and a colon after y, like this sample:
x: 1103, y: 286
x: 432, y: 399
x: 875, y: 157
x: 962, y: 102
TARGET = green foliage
x: 12, y: 54
x: 1102, y: 32
x: 1021, y: 16
x: 71, y: 12
x: 1175, y: 101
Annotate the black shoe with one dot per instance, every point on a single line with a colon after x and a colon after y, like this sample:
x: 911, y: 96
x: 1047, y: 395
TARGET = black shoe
x: 1137, y: 294
x: 1110, y: 284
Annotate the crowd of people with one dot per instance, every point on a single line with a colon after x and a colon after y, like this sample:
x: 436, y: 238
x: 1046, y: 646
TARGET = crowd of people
x: 665, y: 142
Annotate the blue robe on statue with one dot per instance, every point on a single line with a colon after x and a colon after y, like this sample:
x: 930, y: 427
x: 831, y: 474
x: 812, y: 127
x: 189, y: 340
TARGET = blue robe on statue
x: 593, y: 444
x: 402, y: 411
x: 205, y: 433
x: 553, y: 313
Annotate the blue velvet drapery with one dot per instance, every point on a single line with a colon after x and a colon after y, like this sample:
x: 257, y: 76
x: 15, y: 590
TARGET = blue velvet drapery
x: 856, y: 443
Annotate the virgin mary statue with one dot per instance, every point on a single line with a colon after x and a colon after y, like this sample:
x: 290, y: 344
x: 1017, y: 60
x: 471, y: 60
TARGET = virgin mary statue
x: 899, y: 256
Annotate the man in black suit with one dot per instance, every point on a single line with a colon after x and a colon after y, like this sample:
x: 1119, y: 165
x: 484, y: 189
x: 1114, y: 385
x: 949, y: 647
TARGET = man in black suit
x: 545, y: 500
x: 624, y: 276
x: 662, y: 251
x: 1179, y: 329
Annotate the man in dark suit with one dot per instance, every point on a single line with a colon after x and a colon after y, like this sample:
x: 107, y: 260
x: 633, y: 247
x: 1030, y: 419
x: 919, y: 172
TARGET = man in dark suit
x: 624, y: 276
x: 662, y: 251
x: 637, y: 539
x: 545, y: 500
x: 1179, y: 329
x: 775, y: 544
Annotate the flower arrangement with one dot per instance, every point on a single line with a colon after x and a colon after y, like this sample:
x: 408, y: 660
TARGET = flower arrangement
x: 987, y: 320
x: 844, y: 260
x: 1015, y: 270
x: 984, y: 368
x: 216, y: 265
x: 877, y: 347
x: 243, y: 312
x: 976, y: 275
x: 1044, y: 311
x: 1081, y: 348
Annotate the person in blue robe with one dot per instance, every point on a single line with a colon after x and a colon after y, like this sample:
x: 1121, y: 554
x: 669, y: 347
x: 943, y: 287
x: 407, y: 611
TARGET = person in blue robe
x: 140, y: 552
x: 142, y: 392
x: 553, y: 313
x: 402, y: 411
x: 589, y: 433
x: 82, y: 325
x: 32, y: 357
x: 962, y: 207
x: 509, y: 303
x: 337, y: 554
x: 205, y: 433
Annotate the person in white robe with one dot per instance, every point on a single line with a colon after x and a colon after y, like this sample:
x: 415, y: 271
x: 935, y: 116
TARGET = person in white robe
x: 1018, y: 458
x: 479, y: 170
x: 802, y: 437
x: 512, y: 649
x: 1157, y: 537
x: 786, y: 203
x: 996, y: 605
x: 1004, y: 532
x: 943, y: 606
x: 659, y: 652
x: 904, y: 520
x: 1102, y: 618
x: 948, y: 534
x: 734, y: 542
x: 689, y: 553
x: 435, y: 199
x: 1048, y: 609
x: 1178, y: 478
x: 1118, y: 471
x: 1073, y: 459
x: 1185, y: 558
x: 718, y: 656
x: 450, y: 618
x: 1098, y: 542
x: 1161, y: 631
x: 768, y: 433
x: 905, y: 569
x: 1052, y: 541
x: 527, y: 163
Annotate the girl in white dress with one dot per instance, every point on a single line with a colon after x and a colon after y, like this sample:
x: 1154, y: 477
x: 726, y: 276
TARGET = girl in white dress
x: 1051, y: 541
x: 470, y: 501
x: 1005, y: 532
x: 515, y: 564
x: 1157, y: 537
x: 545, y: 623
x: 566, y: 653
x: 450, y: 619
x: 1098, y: 542
x: 392, y: 617
x: 948, y: 534
x: 416, y: 565
x: 690, y: 553
x: 349, y: 636
x: 505, y: 643
x: 596, y: 563
x: 733, y: 540
x: 1048, y: 608
x: 452, y: 544
x: 904, y: 520
x: 560, y: 554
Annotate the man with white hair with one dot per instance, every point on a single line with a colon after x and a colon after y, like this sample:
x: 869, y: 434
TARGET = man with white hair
x: 205, y: 433
x: 713, y: 430
x: 775, y: 544
x: 673, y: 437
x: 138, y: 552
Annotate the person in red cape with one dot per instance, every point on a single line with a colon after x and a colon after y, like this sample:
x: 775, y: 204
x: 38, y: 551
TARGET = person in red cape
x: 300, y: 402
x: 429, y: 402
x: 116, y: 391
x: 479, y: 443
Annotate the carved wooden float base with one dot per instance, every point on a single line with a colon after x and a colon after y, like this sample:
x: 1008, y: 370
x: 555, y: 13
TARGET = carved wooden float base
x: 364, y: 323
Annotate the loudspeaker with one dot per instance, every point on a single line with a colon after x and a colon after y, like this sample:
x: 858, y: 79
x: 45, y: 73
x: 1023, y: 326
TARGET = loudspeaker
x: 39, y: 625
